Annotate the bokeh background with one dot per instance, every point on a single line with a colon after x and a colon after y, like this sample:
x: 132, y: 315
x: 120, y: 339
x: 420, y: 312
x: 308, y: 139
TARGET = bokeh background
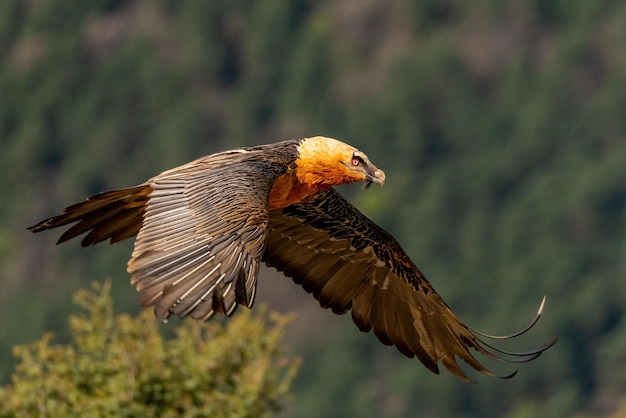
x: 501, y: 127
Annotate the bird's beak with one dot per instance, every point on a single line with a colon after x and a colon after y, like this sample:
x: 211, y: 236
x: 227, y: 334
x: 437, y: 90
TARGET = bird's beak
x: 374, y: 175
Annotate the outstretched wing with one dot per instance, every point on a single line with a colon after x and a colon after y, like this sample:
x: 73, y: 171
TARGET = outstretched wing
x: 200, y: 229
x: 203, y: 234
x: 349, y: 263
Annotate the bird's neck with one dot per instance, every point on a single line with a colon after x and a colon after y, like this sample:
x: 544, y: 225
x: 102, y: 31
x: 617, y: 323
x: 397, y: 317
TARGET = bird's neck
x: 289, y: 189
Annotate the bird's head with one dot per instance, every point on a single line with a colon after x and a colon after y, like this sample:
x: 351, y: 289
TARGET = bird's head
x: 327, y: 162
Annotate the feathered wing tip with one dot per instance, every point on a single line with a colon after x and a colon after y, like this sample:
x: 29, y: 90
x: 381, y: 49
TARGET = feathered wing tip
x: 511, y: 356
x: 349, y: 263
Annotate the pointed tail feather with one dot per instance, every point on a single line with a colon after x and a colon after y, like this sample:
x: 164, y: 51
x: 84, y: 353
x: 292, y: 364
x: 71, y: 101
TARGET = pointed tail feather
x: 117, y: 215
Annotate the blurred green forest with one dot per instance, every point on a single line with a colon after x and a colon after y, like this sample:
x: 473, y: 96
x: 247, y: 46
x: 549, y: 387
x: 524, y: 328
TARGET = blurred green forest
x: 501, y: 127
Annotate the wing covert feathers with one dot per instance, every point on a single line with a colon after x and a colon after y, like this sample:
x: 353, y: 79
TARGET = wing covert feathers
x: 349, y: 263
x: 201, y: 245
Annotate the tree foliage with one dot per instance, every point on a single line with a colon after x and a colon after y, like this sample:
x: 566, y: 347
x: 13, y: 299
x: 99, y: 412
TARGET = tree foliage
x: 121, y: 366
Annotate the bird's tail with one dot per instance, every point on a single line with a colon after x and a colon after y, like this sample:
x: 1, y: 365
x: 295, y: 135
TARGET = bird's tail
x: 117, y: 215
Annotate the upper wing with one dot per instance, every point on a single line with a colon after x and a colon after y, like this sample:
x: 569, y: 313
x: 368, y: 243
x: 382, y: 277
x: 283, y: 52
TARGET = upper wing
x: 200, y: 229
x: 348, y: 262
x: 203, y: 234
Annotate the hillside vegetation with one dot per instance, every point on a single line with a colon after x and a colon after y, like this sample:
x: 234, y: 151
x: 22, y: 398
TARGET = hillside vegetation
x: 501, y: 127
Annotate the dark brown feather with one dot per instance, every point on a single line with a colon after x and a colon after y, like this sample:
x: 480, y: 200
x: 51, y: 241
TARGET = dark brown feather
x: 358, y: 265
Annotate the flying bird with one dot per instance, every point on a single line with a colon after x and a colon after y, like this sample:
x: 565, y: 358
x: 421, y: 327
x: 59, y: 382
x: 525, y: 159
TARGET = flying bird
x: 203, y: 229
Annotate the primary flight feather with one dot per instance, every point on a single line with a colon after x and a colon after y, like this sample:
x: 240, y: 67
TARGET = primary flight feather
x: 204, y: 228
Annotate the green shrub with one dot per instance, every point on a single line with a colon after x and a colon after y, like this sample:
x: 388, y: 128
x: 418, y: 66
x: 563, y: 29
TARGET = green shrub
x: 118, y: 365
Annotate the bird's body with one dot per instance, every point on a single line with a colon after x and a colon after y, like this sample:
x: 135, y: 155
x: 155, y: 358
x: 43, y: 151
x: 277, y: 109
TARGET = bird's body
x: 204, y: 228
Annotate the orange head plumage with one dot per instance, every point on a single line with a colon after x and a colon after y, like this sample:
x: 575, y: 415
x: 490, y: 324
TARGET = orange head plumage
x: 322, y: 163
x: 325, y: 162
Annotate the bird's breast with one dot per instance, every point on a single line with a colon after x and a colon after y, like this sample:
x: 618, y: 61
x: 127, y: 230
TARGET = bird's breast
x: 288, y: 190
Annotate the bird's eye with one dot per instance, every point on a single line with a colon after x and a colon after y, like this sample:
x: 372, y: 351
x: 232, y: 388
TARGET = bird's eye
x: 356, y: 162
